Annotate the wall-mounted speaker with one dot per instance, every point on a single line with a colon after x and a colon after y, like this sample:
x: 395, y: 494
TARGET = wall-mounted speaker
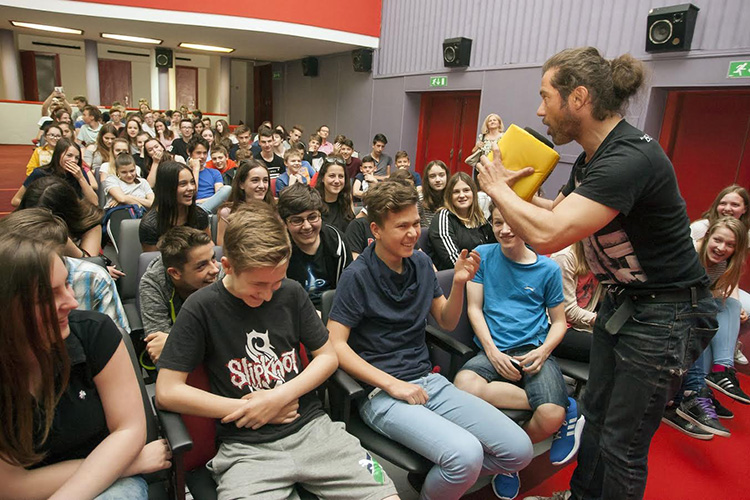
x: 671, y: 28
x: 362, y: 60
x: 310, y: 66
x: 163, y: 57
x: 456, y: 52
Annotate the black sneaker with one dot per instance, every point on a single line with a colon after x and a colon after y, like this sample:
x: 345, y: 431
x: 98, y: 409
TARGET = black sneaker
x: 672, y: 419
x: 698, y: 409
x: 721, y: 410
x: 727, y: 383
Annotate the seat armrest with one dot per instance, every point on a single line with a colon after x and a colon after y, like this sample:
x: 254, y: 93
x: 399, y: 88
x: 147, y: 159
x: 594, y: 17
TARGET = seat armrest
x: 447, y: 343
x: 174, y: 430
x: 459, y: 352
x: 352, y: 389
x: 342, y: 390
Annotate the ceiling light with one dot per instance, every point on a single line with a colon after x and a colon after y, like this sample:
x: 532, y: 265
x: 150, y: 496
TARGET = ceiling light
x: 210, y: 48
x: 128, y: 38
x: 44, y: 27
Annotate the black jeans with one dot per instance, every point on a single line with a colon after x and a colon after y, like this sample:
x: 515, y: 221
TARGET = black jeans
x: 633, y: 375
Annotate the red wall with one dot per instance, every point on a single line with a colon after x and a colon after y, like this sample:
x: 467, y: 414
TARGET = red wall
x: 361, y: 17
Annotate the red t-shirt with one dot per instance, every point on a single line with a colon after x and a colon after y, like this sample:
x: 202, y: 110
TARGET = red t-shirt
x: 230, y: 165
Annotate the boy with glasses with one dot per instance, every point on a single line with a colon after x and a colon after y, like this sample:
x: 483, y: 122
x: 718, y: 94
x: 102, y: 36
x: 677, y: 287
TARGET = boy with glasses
x: 319, y: 253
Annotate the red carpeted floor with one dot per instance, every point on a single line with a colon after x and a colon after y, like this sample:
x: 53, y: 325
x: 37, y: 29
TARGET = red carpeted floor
x: 13, y: 160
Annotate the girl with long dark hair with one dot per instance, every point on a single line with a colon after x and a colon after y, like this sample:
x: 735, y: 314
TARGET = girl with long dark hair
x: 336, y: 191
x: 435, y: 177
x: 69, y: 429
x: 67, y: 164
x: 251, y: 182
x: 174, y: 205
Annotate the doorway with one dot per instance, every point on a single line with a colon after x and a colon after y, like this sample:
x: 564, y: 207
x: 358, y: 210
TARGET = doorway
x: 186, y: 79
x: 263, y: 95
x: 115, y: 82
x: 41, y: 74
x: 447, y: 129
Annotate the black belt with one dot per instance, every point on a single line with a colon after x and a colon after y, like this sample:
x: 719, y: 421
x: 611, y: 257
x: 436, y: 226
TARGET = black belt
x: 625, y: 301
x: 692, y: 294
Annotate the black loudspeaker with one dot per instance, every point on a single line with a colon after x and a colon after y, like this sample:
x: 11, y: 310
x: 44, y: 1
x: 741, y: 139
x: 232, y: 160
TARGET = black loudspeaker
x: 671, y: 28
x: 163, y: 57
x: 310, y: 66
x: 456, y: 52
x: 362, y: 60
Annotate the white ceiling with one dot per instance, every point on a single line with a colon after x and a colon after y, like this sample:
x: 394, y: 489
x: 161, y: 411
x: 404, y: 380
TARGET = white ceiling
x: 255, y: 45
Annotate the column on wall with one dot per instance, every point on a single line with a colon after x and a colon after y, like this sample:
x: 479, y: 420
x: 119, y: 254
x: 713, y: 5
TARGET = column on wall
x: 163, y: 76
x: 92, y: 72
x: 224, y: 83
x: 11, y: 70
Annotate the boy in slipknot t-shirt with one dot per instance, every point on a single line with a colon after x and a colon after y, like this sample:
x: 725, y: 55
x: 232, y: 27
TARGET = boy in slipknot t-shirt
x: 246, y: 330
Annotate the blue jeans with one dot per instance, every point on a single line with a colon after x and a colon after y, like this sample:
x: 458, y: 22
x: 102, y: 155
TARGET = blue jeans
x: 721, y: 349
x: 126, y: 488
x: 463, y: 435
x: 212, y: 204
x: 633, y: 374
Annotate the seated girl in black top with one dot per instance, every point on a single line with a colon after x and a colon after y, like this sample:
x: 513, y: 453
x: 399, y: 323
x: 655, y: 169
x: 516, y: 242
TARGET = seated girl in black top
x: 174, y: 205
x: 335, y: 189
x: 460, y: 225
x: 67, y: 164
x: 70, y: 428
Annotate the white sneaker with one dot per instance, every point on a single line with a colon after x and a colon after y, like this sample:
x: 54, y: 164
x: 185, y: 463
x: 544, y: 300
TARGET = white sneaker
x: 739, y: 358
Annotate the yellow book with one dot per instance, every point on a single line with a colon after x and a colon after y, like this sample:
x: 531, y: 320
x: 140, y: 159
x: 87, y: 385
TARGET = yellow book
x: 519, y: 150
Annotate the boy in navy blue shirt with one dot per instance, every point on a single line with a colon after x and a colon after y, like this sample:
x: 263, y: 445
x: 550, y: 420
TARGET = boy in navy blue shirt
x: 377, y: 325
x: 507, y: 302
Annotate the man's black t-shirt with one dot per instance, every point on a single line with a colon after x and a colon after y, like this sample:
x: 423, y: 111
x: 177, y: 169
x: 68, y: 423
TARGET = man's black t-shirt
x: 179, y: 148
x: 647, y: 245
x: 246, y: 349
x: 276, y: 166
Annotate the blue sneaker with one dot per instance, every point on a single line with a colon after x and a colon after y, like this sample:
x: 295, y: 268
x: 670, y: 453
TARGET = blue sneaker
x: 566, y: 441
x: 506, y: 486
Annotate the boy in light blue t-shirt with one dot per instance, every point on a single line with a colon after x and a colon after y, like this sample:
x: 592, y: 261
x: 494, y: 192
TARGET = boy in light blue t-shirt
x: 508, y: 301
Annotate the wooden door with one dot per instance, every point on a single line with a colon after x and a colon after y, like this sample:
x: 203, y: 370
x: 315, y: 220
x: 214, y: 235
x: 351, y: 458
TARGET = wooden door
x: 447, y: 129
x: 41, y: 74
x: 187, y: 86
x: 115, y: 82
x: 262, y: 94
x: 706, y: 134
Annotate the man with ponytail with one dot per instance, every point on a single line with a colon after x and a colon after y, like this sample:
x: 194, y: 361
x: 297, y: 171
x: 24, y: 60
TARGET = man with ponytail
x: 622, y: 200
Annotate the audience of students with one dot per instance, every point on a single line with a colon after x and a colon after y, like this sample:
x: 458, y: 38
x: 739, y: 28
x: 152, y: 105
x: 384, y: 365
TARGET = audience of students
x: 382, y: 299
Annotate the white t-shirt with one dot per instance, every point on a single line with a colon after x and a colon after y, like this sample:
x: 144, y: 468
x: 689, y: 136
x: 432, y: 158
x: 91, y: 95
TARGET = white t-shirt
x: 139, y: 189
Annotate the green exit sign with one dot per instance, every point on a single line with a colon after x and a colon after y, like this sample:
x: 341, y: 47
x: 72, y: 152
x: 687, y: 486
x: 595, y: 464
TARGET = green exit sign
x: 739, y: 69
x: 277, y: 75
x: 438, y: 81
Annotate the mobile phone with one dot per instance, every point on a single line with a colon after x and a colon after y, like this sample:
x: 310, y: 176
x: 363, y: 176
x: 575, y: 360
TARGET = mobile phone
x: 517, y: 365
x: 60, y: 90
